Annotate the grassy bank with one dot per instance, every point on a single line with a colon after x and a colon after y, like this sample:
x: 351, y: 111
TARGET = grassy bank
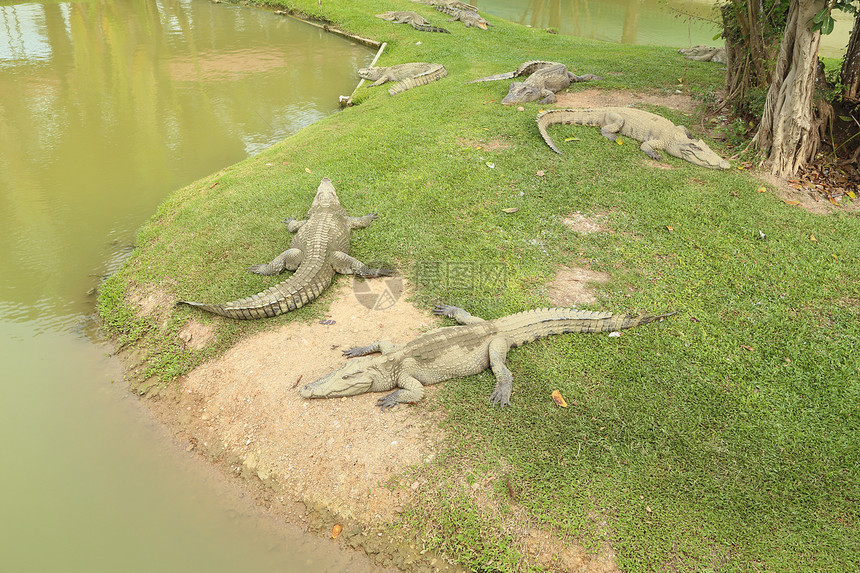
x: 723, y: 439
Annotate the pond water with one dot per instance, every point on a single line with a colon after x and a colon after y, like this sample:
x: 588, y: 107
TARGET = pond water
x: 105, y: 108
x: 676, y: 23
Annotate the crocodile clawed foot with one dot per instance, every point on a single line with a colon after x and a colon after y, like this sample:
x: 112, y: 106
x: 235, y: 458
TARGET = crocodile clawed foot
x: 262, y: 269
x: 445, y: 310
x: 386, y: 402
x: 500, y: 399
x: 376, y: 273
x: 354, y: 352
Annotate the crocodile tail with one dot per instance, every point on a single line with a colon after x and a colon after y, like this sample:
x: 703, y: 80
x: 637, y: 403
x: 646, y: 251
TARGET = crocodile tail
x: 544, y: 120
x: 308, y: 282
x: 420, y: 80
x: 505, y: 76
x: 556, y: 116
x: 531, y: 325
x: 447, y: 10
x: 430, y: 28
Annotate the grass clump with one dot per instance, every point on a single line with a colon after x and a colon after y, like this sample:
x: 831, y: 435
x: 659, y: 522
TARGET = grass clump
x: 723, y: 439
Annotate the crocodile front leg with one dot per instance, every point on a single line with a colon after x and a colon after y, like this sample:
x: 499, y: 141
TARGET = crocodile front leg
x: 288, y: 260
x: 456, y: 313
x: 346, y: 265
x: 293, y: 224
x: 648, y: 149
x: 613, y: 125
x: 498, y: 351
x: 411, y: 390
x: 548, y: 96
x: 361, y: 222
x: 382, y: 346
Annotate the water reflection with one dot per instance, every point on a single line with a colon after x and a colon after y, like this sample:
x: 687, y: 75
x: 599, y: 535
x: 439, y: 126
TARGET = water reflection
x: 105, y: 107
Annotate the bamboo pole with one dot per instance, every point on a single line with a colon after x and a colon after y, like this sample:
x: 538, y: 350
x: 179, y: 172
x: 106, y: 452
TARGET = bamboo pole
x: 347, y: 101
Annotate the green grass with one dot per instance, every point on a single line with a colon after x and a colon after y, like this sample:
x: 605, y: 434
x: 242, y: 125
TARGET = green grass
x: 735, y: 421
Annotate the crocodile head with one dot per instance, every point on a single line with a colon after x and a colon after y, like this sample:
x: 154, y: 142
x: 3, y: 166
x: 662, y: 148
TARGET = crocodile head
x: 352, y: 379
x: 699, y: 153
x: 326, y: 195
x: 521, y: 92
x: 372, y: 74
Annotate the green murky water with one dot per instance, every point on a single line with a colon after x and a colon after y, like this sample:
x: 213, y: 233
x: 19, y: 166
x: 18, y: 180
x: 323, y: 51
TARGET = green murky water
x: 677, y: 23
x: 105, y: 108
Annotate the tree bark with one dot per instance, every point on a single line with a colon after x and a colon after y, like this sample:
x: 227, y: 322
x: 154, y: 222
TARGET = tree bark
x: 788, y: 132
x: 851, y: 67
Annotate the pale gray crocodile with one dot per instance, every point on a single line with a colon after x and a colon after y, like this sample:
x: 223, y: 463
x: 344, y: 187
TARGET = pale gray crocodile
x: 406, y: 76
x: 456, y: 351
x: 414, y: 19
x: 544, y: 80
x: 655, y: 132
x: 318, y: 251
x: 705, y: 54
x: 456, y: 4
x: 468, y: 17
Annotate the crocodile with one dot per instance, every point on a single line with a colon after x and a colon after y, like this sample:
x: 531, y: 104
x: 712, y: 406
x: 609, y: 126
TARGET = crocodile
x: 319, y: 249
x: 705, y: 54
x: 406, y: 76
x: 456, y: 4
x: 468, y: 17
x: 655, y: 132
x: 543, y: 81
x: 456, y: 351
x: 414, y: 19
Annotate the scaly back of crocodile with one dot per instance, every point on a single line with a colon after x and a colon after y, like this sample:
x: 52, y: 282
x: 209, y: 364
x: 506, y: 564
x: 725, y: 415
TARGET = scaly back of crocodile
x: 432, y: 75
x: 525, y: 69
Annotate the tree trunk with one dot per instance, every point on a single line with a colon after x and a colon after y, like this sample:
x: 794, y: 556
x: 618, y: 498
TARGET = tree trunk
x: 851, y: 67
x: 788, y: 132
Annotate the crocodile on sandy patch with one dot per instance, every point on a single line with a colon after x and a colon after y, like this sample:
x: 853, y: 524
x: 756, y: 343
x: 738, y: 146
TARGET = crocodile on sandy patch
x: 406, y: 76
x: 655, y: 132
x: 318, y: 251
x: 468, y: 17
x: 544, y: 80
x: 414, y: 19
x: 457, y: 351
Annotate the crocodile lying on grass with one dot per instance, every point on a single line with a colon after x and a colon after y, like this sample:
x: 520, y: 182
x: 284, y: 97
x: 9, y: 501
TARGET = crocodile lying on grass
x: 705, y: 54
x: 414, y: 19
x: 456, y: 4
x: 318, y: 251
x: 407, y: 76
x: 468, y: 17
x: 543, y: 81
x: 655, y: 132
x: 456, y: 351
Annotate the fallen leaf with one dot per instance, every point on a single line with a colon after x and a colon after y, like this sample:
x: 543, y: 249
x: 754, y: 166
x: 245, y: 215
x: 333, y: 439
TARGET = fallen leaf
x: 614, y: 334
x: 812, y: 238
x: 619, y: 141
x: 214, y: 184
x: 511, y: 210
x: 761, y: 190
x: 648, y: 509
x: 540, y: 173
x: 851, y: 194
x: 734, y: 194
x: 491, y: 165
x: 670, y: 229
x: 557, y: 398
x: 834, y: 201
x: 521, y: 108
x: 308, y: 170
x: 745, y: 347
x: 571, y: 139
x: 335, y: 531
x: 790, y: 202
x: 834, y: 256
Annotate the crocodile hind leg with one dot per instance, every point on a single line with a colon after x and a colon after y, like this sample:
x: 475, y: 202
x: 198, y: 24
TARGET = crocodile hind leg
x: 456, y: 313
x: 615, y: 123
x: 288, y: 260
x: 346, y: 265
x: 498, y: 351
x: 411, y: 390
x: 382, y: 346
x: 293, y: 224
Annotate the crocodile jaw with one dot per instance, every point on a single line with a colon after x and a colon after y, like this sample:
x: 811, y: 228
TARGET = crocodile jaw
x: 699, y: 153
x: 520, y: 92
x: 326, y: 195
x: 350, y: 380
